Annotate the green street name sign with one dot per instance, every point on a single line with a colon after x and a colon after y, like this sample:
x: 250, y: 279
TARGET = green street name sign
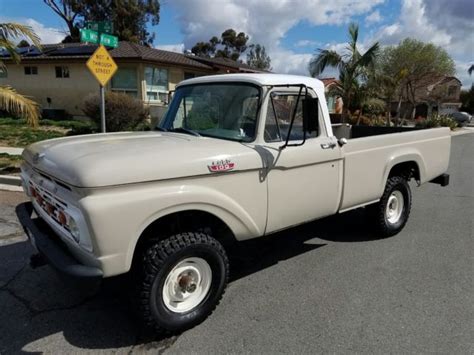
x: 109, y: 40
x: 100, y: 26
x: 89, y: 36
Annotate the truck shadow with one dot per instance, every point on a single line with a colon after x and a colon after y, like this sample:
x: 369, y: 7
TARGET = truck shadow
x: 35, y: 305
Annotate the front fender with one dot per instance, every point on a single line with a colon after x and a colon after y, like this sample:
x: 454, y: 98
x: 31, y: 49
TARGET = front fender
x: 118, y: 218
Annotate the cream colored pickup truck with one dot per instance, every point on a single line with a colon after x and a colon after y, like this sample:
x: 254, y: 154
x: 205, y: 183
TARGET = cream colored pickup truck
x: 235, y: 157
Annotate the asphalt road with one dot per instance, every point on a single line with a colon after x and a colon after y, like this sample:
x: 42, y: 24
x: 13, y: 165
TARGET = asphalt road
x: 328, y: 286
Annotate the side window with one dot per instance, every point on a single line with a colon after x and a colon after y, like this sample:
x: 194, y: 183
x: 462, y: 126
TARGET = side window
x: 31, y: 70
x: 279, y: 113
x: 62, y: 72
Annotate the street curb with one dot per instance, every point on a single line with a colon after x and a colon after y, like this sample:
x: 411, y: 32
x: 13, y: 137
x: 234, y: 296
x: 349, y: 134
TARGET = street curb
x: 10, y: 180
x: 5, y: 187
x: 462, y: 132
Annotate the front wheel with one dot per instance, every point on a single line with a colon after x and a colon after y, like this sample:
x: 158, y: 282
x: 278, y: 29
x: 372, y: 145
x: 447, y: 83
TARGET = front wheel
x: 181, y: 281
x: 391, y: 213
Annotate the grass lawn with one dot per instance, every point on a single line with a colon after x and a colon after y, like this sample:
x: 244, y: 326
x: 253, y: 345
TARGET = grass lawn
x: 10, y: 164
x: 15, y: 132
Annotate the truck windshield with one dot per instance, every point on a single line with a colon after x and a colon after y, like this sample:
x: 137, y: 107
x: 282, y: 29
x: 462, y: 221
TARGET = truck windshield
x: 226, y: 111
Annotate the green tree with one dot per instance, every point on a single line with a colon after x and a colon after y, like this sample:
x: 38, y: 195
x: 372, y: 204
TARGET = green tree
x: 10, y: 100
x: 353, y: 68
x: 422, y: 64
x: 129, y: 17
x: 23, y: 43
x: 206, y: 49
x: 257, y: 57
x: 69, y: 11
x: 230, y: 45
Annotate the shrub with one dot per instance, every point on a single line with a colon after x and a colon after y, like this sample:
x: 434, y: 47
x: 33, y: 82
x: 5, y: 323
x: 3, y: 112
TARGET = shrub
x: 437, y: 121
x: 374, y: 107
x: 122, y: 112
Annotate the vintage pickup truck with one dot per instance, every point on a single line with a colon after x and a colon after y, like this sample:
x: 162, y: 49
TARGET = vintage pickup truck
x: 235, y: 157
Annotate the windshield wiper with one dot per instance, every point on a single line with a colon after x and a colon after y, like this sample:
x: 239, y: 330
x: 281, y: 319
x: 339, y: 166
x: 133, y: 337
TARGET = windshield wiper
x: 161, y: 129
x: 184, y: 130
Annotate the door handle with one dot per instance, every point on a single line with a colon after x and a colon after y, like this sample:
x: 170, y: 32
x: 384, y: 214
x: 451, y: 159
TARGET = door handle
x: 328, y: 145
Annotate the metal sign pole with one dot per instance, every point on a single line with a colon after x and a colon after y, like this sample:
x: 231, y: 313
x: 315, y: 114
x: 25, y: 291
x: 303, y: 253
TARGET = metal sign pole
x: 102, y: 108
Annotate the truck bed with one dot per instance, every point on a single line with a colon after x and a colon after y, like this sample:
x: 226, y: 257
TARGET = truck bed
x: 368, y: 161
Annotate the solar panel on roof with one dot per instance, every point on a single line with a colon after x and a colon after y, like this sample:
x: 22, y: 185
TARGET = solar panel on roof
x: 33, y: 51
x: 79, y: 50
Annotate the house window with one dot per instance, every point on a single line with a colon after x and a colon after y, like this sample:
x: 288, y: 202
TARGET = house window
x: 3, y: 72
x: 452, y: 91
x: 31, y: 70
x: 62, y: 72
x: 125, y: 81
x: 156, y: 84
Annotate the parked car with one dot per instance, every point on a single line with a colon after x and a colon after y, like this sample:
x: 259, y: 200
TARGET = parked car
x: 236, y: 157
x: 461, y: 117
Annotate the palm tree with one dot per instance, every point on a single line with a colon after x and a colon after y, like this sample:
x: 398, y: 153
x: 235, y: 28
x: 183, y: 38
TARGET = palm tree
x: 10, y: 100
x: 353, y: 67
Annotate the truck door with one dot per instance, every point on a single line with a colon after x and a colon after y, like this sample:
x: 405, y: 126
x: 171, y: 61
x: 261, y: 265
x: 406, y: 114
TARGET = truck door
x: 304, y: 182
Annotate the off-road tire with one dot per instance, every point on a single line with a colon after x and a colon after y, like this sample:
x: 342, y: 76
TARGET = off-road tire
x: 378, y: 211
x: 158, y: 260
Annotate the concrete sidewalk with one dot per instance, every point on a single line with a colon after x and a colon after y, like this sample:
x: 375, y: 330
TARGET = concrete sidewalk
x: 10, y: 182
x: 11, y: 151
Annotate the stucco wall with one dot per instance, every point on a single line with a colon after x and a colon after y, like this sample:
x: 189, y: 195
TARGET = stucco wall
x: 65, y: 93
x: 69, y: 93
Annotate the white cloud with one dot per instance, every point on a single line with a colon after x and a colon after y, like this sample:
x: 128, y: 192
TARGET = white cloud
x: 374, y: 17
x: 445, y: 23
x: 46, y: 34
x: 178, y: 47
x: 413, y: 22
x: 462, y: 74
x: 306, y: 43
x: 266, y: 22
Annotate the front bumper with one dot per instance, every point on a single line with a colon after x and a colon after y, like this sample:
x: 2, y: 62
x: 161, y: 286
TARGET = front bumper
x: 51, y: 248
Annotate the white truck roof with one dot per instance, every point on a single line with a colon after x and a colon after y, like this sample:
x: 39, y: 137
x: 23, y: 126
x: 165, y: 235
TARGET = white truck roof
x: 260, y: 79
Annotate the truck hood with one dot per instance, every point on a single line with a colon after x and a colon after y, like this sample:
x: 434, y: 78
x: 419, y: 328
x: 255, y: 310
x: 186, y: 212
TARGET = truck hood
x: 130, y: 157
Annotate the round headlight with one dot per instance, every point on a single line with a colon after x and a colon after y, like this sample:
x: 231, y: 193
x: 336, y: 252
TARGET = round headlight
x: 74, y: 229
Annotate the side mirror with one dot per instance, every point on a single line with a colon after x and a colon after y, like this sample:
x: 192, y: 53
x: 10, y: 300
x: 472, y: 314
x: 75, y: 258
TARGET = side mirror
x: 310, y: 114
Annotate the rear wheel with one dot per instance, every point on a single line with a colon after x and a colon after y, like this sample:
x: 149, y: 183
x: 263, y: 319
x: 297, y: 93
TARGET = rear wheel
x: 391, y: 213
x: 181, y: 281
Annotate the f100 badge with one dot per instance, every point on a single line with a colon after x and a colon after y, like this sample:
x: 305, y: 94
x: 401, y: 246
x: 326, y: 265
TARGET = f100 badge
x: 221, y: 165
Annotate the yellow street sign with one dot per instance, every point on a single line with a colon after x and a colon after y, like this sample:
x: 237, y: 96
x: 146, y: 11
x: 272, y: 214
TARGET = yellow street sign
x: 101, y: 65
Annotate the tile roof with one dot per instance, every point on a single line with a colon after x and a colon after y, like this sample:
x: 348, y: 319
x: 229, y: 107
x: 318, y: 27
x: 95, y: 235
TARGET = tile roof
x: 226, y: 62
x: 129, y: 50
x: 125, y: 50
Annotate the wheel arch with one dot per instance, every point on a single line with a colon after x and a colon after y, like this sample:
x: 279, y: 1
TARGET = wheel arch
x: 219, y: 224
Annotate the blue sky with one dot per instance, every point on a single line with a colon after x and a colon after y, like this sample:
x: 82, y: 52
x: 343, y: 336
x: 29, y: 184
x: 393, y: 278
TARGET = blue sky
x: 292, y: 30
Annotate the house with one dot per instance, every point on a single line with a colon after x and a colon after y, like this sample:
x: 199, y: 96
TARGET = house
x: 57, y: 78
x: 331, y: 98
x: 441, y: 94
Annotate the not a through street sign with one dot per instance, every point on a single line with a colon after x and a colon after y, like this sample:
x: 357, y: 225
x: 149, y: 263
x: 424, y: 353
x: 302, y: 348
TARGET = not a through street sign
x: 101, y: 65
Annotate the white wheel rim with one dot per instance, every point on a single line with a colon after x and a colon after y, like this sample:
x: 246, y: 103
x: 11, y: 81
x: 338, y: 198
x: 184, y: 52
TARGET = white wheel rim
x: 395, y: 206
x: 187, y: 284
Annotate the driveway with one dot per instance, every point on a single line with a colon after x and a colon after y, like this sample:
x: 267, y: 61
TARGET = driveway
x: 327, y: 286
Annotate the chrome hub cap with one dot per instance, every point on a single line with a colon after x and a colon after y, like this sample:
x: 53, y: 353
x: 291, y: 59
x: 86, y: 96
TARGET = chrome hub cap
x: 394, y: 208
x: 187, y: 285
